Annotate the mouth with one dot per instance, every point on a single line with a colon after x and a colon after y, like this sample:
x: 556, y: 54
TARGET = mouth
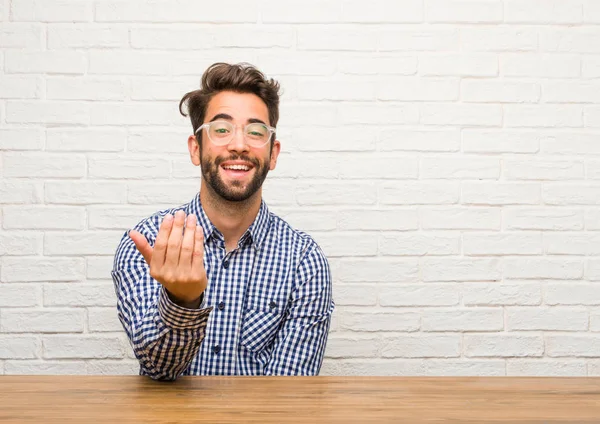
x: 237, y: 169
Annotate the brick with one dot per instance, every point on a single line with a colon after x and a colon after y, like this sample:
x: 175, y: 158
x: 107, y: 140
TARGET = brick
x: 591, y: 11
x: 463, y: 11
x: 411, y: 295
x: 550, y: 268
x: 377, y: 114
x: 382, y: 11
x: 341, y: 346
x: 19, y: 192
x: 275, y: 192
x: 545, y: 368
x: 147, y: 114
x: 500, y: 193
x: 45, y: 62
x: 501, y: 294
x: 252, y: 37
x: 163, y: 11
x: 547, y: 319
x: 340, y: 245
x: 126, y: 62
x: 14, y: 295
x: 551, y: 116
x: 81, y: 243
x: 572, y: 243
x: 309, y: 220
x: 593, y: 270
x: 171, y: 89
x: 448, y: 167
x: 103, y: 319
x: 499, y: 244
x: 42, y: 321
x: 500, y: 39
x: 570, y: 194
x: 461, y: 114
x: 169, y: 38
x: 312, y: 194
x: 572, y: 294
x: 420, y: 367
x: 20, y: 87
x: 388, y: 167
x: 299, y: 63
x: 530, y: 65
x: 99, y: 267
x: 17, y: 269
x: 21, y: 139
x: 460, y: 269
x: 83, y: 346
x: 368, y: 64
x: 297, y: 115
x: 399, y: 139
x: 85, y: 36
x: 543, y: 170
x: 61, y: 88
x: 297, y: 11
x: 19, y: 347
x: 157, y: 141
x: 499, y: 345
x: 341, y: 88
x: 472, y: 65
x: 574, y: 346
x: 34, y: 367
x: 127, y: 168
x: 504, y: 141
x: 51, y: 11
x: 80, y: 294
x: 590, y: 67
x: 542, y: 11
x: 83, y: 192
x: 570, y: 40
x: 112, y: 367
x: 418, y: 40
x: 417, y: 89
x: 571, y: 92
x: 399, y: 220
x: 15, y: 243
x: 421, y: 346
x: 355, y: 294
x: 46, y: 112
x: 44, y: 165
x: 377, y: 270
x: 70, y: 139
x: 377, y: 322
x: 21, y: 36
x: 592, y: 219
x: 117, y: 218
x: 419, y: 244
x: 592, y: 116
x: 473, y: 319
x: 460, y: 218
x: 543, y: 219
x: 419, y: 193
x: 160, y: 193
x: 336, y: 38
x: 44, y: 218
x: 594, y: 322
x: 592, y: 169
x: 491, y: 91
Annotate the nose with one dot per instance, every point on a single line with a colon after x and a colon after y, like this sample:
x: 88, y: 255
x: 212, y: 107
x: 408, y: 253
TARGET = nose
x: 238, y: 141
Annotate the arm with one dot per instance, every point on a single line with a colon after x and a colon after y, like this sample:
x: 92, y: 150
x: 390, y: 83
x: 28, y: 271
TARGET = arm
x: 165, y: 336
x: 300, y: 344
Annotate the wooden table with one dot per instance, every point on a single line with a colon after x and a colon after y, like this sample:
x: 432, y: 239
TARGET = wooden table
x: 132, y: 399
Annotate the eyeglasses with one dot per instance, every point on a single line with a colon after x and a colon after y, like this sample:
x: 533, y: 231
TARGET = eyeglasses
x: 222, y: 132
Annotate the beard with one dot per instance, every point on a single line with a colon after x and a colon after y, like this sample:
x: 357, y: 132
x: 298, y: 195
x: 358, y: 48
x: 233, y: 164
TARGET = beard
x: 235, y: 191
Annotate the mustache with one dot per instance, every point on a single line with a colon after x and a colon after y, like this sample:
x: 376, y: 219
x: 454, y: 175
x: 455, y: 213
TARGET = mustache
x: 219, y: 160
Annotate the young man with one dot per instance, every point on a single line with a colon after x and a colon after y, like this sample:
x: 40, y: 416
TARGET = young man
x: 220, y: 285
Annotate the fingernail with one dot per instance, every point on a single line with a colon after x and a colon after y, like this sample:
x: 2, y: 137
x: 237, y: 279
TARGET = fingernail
x: 168, y: 217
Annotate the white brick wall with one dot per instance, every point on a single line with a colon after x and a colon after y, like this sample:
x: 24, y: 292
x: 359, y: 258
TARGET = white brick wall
x: 450, y: 171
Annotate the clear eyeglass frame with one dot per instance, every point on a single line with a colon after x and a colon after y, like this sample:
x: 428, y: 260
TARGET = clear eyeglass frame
x: 226, y: 140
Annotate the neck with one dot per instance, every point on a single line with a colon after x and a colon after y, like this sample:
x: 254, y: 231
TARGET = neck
x: 232, y: 219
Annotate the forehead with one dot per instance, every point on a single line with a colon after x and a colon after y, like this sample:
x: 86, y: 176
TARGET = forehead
x: 241, y: 106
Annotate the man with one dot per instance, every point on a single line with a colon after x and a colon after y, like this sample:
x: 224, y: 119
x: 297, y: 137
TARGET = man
x: 220, y: 285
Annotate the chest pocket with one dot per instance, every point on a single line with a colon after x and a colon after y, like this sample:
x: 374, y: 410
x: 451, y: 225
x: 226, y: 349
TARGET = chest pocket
x: 262, y: 320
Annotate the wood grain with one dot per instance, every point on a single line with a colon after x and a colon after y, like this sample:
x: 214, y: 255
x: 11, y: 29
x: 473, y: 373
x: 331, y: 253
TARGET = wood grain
x: 133, y: 399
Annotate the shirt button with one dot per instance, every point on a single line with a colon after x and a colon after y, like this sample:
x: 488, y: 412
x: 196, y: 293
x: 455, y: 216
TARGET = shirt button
x: 221, y: 306
x: 225, y: 264
x: 216, y: 349
x: 272, y: 305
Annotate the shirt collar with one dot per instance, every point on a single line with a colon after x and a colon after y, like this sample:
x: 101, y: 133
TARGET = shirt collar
x: 255, y: 234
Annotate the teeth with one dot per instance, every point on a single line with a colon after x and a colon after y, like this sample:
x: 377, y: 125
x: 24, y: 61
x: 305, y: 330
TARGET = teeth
x: 237, y: 167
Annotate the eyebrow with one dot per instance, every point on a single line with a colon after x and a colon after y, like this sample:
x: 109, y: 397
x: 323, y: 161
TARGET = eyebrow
x: 230, y: 118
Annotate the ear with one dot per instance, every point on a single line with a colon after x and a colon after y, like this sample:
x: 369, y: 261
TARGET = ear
x: 274, y: 154
x: 194, y: 149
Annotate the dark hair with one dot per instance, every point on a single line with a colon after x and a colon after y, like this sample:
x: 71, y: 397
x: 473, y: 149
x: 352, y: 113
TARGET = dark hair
x: 241, y: 78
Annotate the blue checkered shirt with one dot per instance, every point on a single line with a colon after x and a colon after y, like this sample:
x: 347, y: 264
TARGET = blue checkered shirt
x: 266, y: 310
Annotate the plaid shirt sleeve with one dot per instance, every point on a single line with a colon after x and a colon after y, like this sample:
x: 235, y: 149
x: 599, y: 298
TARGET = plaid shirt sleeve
x: 165, y: 337
x: 299, y: 346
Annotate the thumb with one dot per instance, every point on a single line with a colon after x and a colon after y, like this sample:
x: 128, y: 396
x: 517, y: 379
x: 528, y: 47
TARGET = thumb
x: 142, y: 245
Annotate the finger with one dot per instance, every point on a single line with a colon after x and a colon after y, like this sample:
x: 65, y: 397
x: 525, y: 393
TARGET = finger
x: 187, y: 245
x: 142, y: 245
x: 198, y: 255
x: 174, y: 243
x: 160, y: 245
